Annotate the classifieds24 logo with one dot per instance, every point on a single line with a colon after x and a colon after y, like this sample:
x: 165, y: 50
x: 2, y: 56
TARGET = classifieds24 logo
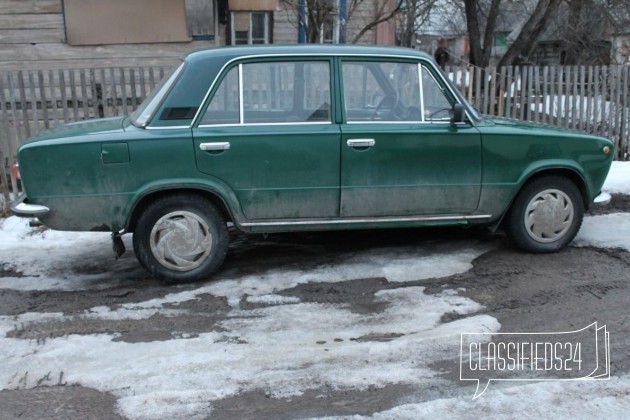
x: 573, y: 355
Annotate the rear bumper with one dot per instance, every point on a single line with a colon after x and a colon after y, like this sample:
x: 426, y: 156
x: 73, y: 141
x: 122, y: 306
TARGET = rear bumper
x: 602, y: 199
x: 22, y: 209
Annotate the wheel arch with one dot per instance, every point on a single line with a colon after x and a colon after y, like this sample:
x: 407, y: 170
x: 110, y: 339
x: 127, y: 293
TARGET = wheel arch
x: 569, y: 173
x: 144, y: 200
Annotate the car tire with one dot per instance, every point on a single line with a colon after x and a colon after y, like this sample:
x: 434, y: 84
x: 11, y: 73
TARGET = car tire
x: 546, y: 215
x: 181, y: 238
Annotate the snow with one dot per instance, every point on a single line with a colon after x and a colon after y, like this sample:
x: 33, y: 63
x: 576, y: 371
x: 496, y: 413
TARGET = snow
x: 557, y: 399
x: 286, y: 346
x: 618, y: 180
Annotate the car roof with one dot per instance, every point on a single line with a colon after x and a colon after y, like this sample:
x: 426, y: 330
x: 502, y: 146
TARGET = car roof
x: 231, y: 52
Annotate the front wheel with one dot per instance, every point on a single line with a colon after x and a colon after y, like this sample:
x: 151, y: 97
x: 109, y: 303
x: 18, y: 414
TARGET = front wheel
x: 546, y: 215
x: 181, y: 238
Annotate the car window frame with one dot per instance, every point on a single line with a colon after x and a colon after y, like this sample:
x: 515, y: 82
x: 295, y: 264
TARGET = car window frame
x: 421, y: 64
x: 239, y: 62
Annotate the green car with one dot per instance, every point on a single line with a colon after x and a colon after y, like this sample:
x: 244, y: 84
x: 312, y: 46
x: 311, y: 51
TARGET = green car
x: 293, y: 138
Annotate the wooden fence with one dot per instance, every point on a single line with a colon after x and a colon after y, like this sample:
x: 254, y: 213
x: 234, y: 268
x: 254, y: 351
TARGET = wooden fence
x: 593, y: 99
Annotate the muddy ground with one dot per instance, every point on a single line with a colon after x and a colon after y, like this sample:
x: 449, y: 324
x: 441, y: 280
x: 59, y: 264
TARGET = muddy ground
x: 559, y: 292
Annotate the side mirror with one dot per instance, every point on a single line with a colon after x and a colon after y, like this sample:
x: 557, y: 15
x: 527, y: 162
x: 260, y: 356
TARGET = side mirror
x: 458, y: 114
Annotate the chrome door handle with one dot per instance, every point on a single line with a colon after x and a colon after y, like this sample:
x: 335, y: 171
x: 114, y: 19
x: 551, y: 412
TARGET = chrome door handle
x: 222, y: 145
x: 361, y: 142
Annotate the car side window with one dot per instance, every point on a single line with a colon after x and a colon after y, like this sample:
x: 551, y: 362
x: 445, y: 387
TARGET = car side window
x: 381, y: 91
x: 224, y: 106
x: 393, y: 91
x: 272, y: 92
x: 436, y: 105
x: 285, y: 92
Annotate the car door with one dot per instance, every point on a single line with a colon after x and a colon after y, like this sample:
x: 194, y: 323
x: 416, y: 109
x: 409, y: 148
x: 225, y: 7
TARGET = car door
x: 400, y: 153
x: 268, y: 133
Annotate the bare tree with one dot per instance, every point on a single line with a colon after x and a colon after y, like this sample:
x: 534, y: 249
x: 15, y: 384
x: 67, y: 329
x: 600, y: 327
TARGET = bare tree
x: 385, y: 10
x: 481, y: 45
x: 529, y: 33
x: 318, y: 12
x: 586, y: 30
x: 413, y: 14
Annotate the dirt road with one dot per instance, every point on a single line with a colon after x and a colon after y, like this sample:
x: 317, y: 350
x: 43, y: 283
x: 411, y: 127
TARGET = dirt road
x: 558, y: 292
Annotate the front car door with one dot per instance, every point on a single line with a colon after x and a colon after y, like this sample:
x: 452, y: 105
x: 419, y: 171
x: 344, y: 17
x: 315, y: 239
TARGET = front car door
x: 268, y: 133
x: 400, y: 154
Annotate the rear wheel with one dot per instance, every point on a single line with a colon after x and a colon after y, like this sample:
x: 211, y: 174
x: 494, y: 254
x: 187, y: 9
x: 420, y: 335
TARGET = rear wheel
x: 546, y: 215
x: 181, y: 238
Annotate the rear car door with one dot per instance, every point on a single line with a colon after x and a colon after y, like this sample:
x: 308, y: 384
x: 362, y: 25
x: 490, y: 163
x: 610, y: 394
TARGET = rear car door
x: 268, y: 133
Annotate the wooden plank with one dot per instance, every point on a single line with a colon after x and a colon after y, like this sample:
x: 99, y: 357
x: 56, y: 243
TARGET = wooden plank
x: 87, y: 63
x: 132, y: 85
x: 114, y: 94
x: 42, y: 95
x: 510, y: 92
x: 478, y: 85
x: 522, y: 92
x: 151, y: 78
x: 31, y: 21
x: 64, y: 98
x: 493, y: 92
x: 94, y: 93
x: 29, y: 36
x: 23, y: 103
x: 602, y: 103
x: 535, y: 80
x: 14, y: 113
x: 589, y: 99
x: 625, y: 133
x: 596, y: 94
x: 485, y: 107
x: 470, y: 72
x: 123, y: 92
x: 73, y: 92
x: 143, y: 87
x: 566, y: 98
x: 553, y: 97
x: 34, y: 7
x: 84, y: 95
x: 574, y: 98
x: 10, y: 141
x: 617, y: 107
x: 501, y: 106
x: 546, y: 100
x: 31, y: 84
x: 53, y: 97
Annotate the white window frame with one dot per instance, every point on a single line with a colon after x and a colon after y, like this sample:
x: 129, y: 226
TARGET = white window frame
x: 267, y: 28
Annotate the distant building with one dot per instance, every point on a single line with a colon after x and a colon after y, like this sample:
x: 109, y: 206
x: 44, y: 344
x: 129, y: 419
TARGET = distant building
x: 97, y: 33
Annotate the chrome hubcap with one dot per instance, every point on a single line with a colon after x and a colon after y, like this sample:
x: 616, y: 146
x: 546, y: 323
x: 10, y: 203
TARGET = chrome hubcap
x: 181, y: 241
x: 549, y: 215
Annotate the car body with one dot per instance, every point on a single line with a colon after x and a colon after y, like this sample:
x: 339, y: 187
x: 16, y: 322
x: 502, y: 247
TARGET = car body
x: 291, y: 138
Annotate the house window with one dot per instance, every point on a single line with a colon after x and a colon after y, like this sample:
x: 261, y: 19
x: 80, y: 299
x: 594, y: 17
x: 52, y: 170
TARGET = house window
x: 250, y: 27
x: 329, y: 32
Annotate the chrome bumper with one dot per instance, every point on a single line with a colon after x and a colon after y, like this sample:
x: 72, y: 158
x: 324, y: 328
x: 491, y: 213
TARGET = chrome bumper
x: 22, y: 209
x: 602, y: 199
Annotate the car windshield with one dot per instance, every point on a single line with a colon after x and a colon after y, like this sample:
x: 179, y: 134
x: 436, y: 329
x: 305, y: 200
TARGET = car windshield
x: 141, y: 116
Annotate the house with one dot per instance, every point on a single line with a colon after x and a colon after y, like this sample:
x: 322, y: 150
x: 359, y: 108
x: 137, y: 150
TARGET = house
x: 48, y: 34
x: 596, y: 33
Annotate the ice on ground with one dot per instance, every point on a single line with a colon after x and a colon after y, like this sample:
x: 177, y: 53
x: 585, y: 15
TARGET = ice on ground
x: 592, y: 399
x: 284, y: 350
x: 605, y: 231
x: 618, y: 180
